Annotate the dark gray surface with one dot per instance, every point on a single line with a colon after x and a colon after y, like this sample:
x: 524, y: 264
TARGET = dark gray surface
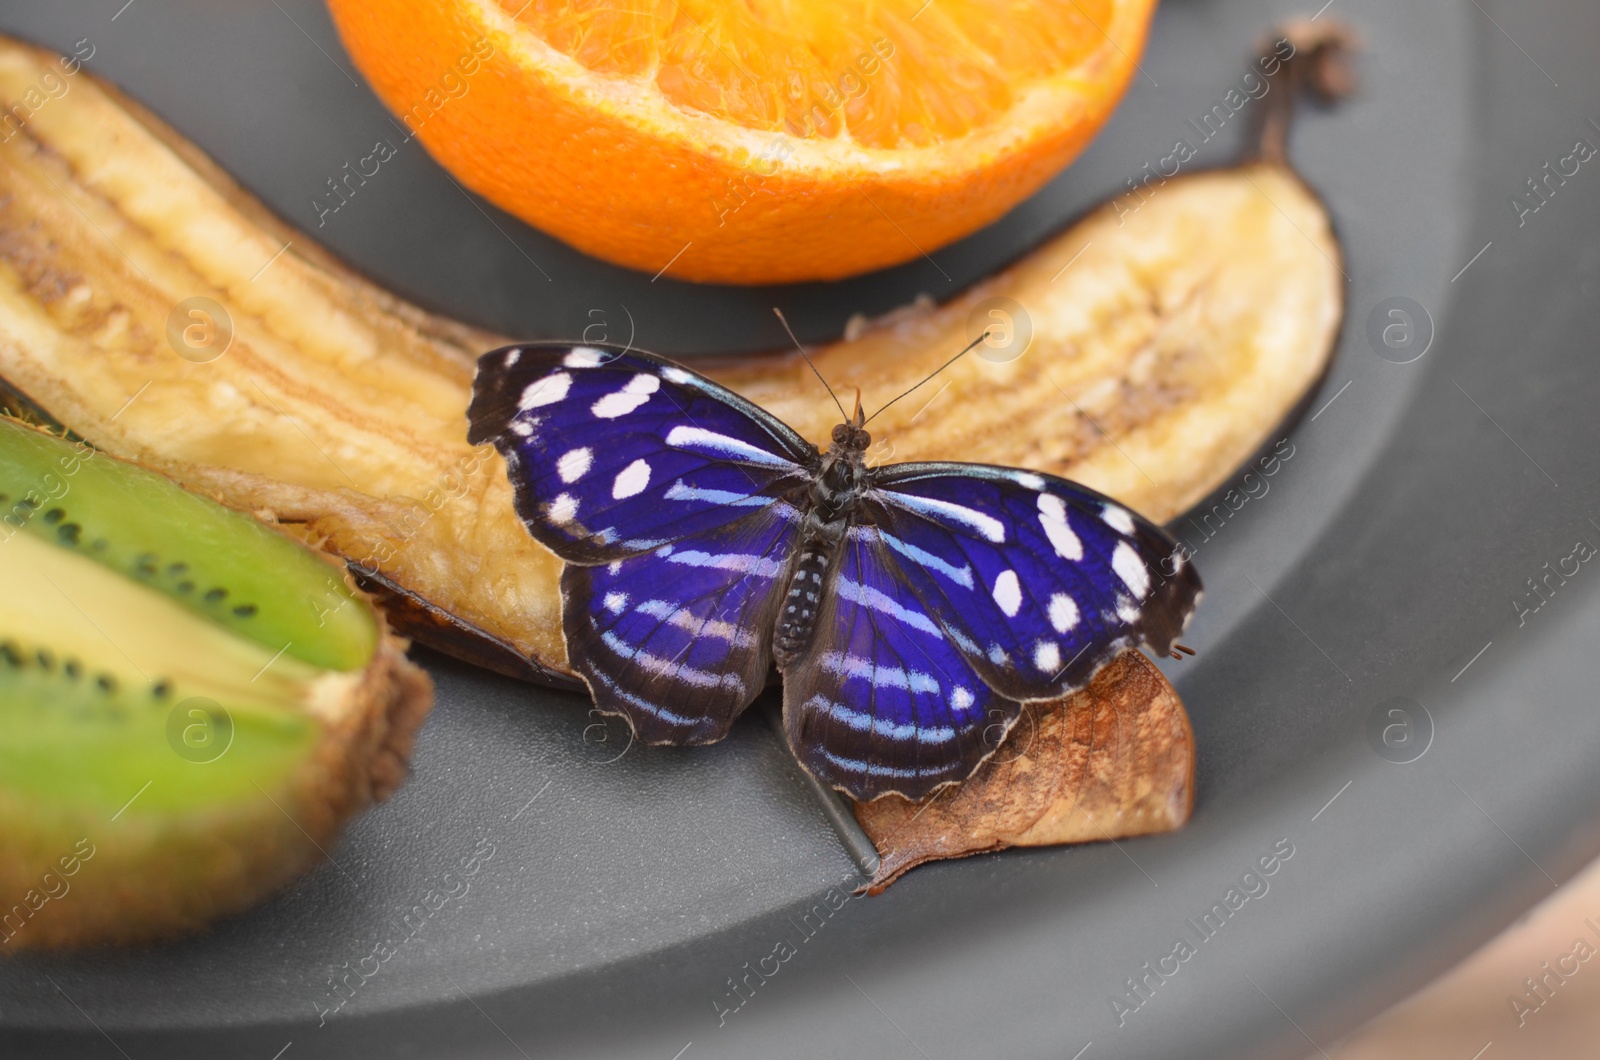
x: 1385, y: 556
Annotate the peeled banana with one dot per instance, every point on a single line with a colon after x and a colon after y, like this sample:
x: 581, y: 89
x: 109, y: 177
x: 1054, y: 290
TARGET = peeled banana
x: 152, y: 307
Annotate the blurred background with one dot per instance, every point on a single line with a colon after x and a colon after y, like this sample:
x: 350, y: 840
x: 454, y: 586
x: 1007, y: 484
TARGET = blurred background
x: 1468, y: 1013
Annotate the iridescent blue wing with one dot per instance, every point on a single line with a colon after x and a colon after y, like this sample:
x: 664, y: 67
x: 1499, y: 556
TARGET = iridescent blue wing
x: 884, y: 700
x: 612, y: 452
x: 1039, y: 581
x: 666, y: 494
x: 679, y: 639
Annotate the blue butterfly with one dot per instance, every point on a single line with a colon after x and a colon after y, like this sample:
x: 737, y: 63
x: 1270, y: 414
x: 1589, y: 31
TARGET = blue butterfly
x: 911, y: 608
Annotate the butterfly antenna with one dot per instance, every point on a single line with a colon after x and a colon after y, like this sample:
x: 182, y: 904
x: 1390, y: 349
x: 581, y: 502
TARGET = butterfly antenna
x: 809, y: 361
x: 968, y: 349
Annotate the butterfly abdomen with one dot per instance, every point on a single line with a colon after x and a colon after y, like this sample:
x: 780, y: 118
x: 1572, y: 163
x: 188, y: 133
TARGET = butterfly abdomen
x: 834, y: 494
x: 797, y: 614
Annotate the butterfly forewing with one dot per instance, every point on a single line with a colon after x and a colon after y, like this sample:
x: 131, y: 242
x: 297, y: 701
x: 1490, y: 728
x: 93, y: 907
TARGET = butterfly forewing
x: 678, y: 639
x: 612, y: 453
x: 1038, y: 580
x: 958, y: 590
x: 883, y: 700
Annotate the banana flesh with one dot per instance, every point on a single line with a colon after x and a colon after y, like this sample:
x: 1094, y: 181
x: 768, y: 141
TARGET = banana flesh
x: 1166, y: 345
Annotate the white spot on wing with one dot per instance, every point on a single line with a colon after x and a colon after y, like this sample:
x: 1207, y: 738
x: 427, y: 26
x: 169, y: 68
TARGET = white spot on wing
x: 961, y: 575
x: 743, y: 563
x: 1130, y: 568
x: 865, y: 722
x: 584, y: 357
x: 835, y: 662
x: 1118, y: 519
x: 654, y: 709
x: 513, y: 357
x: 673, y: 668
x: 615, y: 602
x: 1030, y: 480
x: 710, y: 443
x: 1047, y: 657
x: 546, y: 390
x: 960, y: 698
x: 1008, y: 593
x: 676, y: 375
x: 690, y: 622
x: 574, y: 464
x: 680, y: 492
x: 858, y: 765
x: 631, y: 480
x: 1063, y: 612
x: 878, y: 600
x: 988, y: 526
x: 624, y: 401
x: 563, y: 509
x: 1053, y: 519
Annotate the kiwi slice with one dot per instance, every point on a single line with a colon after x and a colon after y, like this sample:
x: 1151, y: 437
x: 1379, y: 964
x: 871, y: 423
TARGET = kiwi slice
x: 1145, y: 351
x: 229, y: 569
x: 191, y: 703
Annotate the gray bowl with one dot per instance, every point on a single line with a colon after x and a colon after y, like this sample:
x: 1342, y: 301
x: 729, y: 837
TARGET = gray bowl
x: 620, y: 902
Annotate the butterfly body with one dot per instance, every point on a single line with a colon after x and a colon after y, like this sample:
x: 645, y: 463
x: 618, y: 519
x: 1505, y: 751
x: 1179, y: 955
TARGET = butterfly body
x: 841, y: 479
x: 911, y: 608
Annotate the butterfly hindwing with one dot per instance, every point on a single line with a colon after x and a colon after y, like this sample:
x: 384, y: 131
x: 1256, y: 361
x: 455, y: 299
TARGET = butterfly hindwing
x: 883, y: 700
x: 612, y: 453
x: 1039, y: 580
x: 678, y: 639
x: 958, y: 591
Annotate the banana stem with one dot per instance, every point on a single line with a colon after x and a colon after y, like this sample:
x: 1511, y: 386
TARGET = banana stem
x: 1319, y: 63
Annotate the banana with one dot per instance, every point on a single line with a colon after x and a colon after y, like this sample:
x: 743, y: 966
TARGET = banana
x: 1165, y: 346
x: 148, y: 304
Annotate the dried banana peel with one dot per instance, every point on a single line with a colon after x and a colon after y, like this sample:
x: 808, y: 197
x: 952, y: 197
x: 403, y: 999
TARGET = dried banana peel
x: 294, y: 389
x: 1167, y: 343
x: 1165, y: 346
x: 1113, y: 760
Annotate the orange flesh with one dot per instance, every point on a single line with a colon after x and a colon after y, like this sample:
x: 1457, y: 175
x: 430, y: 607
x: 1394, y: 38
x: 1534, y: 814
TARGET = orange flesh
x: 908, y: 73
x: 750, y: 141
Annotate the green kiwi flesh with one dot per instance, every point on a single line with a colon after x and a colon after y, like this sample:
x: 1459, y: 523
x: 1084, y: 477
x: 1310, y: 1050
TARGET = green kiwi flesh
x: 107, y: 685
x: 165, y: 760
x: 218, y: 563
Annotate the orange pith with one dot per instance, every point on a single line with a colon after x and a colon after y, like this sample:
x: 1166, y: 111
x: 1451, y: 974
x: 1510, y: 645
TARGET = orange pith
x: 756, y: 140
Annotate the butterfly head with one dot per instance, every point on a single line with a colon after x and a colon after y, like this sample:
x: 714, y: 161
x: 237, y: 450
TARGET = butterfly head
x: 851, y: 437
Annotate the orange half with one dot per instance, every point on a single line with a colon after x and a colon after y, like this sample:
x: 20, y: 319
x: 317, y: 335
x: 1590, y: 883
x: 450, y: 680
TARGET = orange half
x: 742, y: 141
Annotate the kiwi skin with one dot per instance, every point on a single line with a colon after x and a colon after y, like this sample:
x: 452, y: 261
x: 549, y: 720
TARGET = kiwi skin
x: 153, y: 877
x: 75, y: 870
